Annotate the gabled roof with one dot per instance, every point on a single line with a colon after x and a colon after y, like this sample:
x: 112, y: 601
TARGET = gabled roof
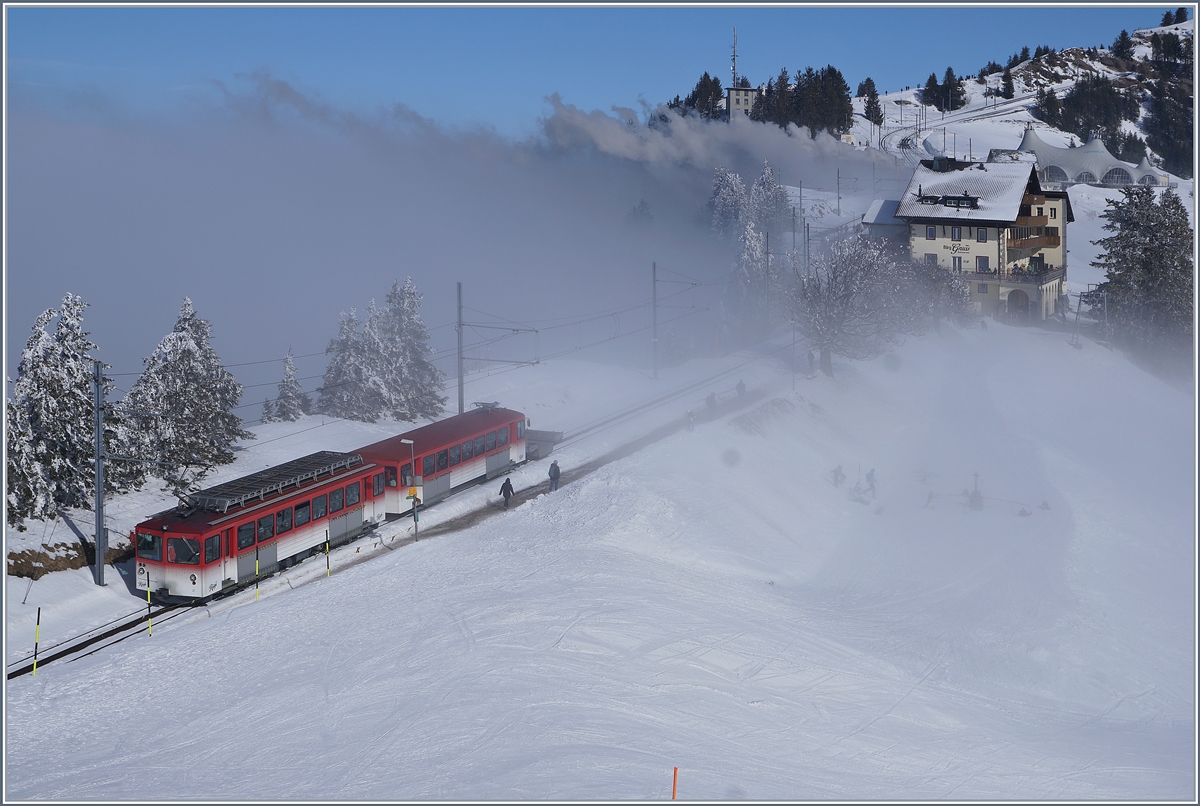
x: 979, y: 192
x: 882, y: 212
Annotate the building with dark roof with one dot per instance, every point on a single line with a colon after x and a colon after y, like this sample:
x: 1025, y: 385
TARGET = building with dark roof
x: 995, y: 224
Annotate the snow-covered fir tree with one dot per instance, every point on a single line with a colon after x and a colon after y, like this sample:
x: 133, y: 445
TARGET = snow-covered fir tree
x: 746, y: 300
x: 291, y: 403
x: 179, y: 413
x: 346, y: 388
x: 728, y: 203
x: 768, y: 204
x: 50, y: 439
x: 1148, y: 267
x: 268, y: 412
x: 414, y: 384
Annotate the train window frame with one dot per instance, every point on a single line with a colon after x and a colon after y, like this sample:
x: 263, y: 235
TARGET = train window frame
x: 337, y: 500
x: 390, y: 476
x: 455, y: 454
x: 320, y: 506
x: 491, y: 441
x: 502, y: 436
x: 480, y: 446
x: 352, y: 494
x: 245, y: 539
x: 266, y: 528
x: 299, y: 520
x: 283, y: 520
x: 154, y: 541
x: 212, y: 549
x: 406, y: 474
x: 428, y: 465
x: 377, y: 484
x: 174, y: 546
x: 468, y: 450
x: 520, y: 429
x: 443, y: 460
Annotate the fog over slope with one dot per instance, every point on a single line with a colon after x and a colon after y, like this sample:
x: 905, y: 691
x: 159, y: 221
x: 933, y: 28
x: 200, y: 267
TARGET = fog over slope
x: 275, y: 210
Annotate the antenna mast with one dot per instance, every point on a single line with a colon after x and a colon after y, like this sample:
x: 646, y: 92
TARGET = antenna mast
x: 734, y: 68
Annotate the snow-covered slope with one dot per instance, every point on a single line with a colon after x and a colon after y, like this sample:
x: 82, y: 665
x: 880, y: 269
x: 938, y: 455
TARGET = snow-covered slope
x: 715, y: 603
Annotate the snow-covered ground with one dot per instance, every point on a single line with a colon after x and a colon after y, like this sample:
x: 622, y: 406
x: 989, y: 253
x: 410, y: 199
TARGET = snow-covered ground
x: 711, y: 603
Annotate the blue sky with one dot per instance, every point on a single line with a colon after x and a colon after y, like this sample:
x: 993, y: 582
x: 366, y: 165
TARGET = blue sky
x: 494, y: 66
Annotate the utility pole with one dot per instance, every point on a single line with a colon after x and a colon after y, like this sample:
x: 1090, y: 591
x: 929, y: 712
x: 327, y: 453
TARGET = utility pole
x: 459, y: 328
x: 98, y: 454
x: 839, y: 186
x: 767, y: 284
x: 654, y: 308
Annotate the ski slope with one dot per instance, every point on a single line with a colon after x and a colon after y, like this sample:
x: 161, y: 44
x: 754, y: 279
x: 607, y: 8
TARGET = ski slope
x: 711, y: 603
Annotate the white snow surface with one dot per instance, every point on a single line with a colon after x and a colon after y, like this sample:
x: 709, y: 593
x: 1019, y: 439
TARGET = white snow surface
x: 711, y: 603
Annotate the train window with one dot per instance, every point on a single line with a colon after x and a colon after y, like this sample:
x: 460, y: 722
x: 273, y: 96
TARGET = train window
x: 406, y: 475
x: 390, y: 472
x: 318, y: 507
x: 283, y: 521
x: 502, y: 437
x: 336, y: 500
x: 468, y: 450
x: 442, y: 460
x: 183, y: 550
x: 266, y: 527
x: 149, y: 547
x: 246, y: 535
x: 302, y: 513
x: 520, y: 429
x: 455, y: 453
x: 377, y: 483
x: 352, y: 493
x: 212, y: 548
x: 479, y: 446
x: 491, y: 440
x: 429, y: 465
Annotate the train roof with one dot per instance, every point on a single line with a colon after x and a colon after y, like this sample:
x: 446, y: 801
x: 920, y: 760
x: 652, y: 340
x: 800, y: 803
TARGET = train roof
x: 213, y: 503
x: 442, y: 433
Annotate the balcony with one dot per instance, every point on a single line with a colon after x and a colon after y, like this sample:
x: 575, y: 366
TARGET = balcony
x: 1032, y: 221
x: 1035, y: 242
x: 1033, y: 276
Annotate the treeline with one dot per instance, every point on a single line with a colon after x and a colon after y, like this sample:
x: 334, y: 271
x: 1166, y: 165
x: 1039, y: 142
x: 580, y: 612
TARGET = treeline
x: 177, y: 422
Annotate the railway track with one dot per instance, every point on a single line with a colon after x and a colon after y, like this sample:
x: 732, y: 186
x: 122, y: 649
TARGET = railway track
x: 96, y: 639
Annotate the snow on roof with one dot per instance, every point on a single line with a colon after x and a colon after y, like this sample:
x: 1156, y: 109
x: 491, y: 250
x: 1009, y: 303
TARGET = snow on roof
x: 980, y: 192
x: 882, y: 212
x: 1090, y: 163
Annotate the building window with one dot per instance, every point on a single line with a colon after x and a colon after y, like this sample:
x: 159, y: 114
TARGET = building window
x: 981, y: 263
x: 1053, y: 212
x: 1041, y: 212
x: 956, y: 261
x: 983, y: 288
x: 930, y: 233
x: 956, y: 233
x: 981, y: 235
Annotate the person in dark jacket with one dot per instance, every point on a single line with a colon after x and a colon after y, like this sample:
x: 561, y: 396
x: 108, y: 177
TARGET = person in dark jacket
x: 506, y: 490
x: 554, y: 474
x: 741, y: 388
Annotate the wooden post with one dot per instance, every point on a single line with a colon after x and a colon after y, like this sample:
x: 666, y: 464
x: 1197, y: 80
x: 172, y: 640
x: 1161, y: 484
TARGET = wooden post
x: 326, y: 552
x: 37, y: 633
x: 674, y: 783
x: 149, y: 618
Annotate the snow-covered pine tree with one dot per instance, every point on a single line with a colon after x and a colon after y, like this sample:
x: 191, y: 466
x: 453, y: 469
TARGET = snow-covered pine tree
x: 179, y: 412
x: 768, y: 204
x: 51, y: 440
x: 413, y: 383
x: 728, y: 203
x: 346, y: 390
x: 291, y: 403
x: 746, y: 300
x: 268, y: 411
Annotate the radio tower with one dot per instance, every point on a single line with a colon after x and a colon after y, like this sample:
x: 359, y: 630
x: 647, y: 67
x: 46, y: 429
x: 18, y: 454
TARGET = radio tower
x: 734, y: 68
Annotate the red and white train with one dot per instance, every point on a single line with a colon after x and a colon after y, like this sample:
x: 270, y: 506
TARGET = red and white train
x: 229, y: 535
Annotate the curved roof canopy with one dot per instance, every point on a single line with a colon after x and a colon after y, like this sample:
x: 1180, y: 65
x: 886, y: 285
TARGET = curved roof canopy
x: 1090, y: 163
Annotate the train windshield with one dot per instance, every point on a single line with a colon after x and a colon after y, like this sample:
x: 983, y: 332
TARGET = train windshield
x: 149, y: 547
x: 183, y: 550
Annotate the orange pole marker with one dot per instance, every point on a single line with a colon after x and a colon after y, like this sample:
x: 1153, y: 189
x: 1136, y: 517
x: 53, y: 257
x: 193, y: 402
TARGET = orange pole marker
x: 674, y: 783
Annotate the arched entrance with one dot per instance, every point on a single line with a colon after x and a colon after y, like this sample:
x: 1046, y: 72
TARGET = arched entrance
x: 1018, y: 305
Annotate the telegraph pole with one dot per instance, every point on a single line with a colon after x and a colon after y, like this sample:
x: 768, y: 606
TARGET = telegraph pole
x: 654, y: 307
x: 459, y: 328
x: 98, y: 454
x: 839, y: 177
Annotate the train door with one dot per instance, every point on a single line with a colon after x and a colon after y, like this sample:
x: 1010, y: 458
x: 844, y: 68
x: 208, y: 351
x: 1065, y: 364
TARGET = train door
x: 229, y: 573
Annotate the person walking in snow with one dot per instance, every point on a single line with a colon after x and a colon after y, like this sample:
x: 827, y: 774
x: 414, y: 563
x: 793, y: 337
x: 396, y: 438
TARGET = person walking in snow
x: 812, y: 360
x: 871, y: 481
x: 741, y: 388
x: 711, y: 402
x: 838, y: 476
x: 506, y: 490
x: 554, y: 474
x: 691, y: 421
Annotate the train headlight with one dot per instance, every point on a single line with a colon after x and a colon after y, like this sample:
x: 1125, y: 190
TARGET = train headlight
x: 193, y: 578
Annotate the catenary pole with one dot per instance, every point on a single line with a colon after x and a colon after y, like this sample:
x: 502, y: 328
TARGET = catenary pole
x: 459, y: 328
x: 654, y: 316
x: 98, y: 454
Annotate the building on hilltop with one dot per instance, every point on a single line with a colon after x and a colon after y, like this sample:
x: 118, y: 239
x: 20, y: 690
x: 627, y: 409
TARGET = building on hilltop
x: 740, y: 99
x: 996, y: 224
